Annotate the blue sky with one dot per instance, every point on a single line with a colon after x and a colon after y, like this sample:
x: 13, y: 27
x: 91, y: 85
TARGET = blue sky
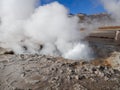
x: 80, y: 6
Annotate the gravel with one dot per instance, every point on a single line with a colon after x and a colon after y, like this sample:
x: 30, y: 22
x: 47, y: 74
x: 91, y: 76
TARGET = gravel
x: 40, y: 72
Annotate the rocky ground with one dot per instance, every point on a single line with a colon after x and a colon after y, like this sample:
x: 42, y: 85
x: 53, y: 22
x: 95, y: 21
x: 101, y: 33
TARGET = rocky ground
x: 40, y: 72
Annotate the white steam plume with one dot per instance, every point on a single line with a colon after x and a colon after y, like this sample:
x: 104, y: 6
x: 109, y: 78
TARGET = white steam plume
x: 113, y: 7
x: 44, y: 30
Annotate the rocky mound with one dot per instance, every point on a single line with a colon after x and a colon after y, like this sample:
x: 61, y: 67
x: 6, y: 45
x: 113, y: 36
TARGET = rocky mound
x: 40, y: 72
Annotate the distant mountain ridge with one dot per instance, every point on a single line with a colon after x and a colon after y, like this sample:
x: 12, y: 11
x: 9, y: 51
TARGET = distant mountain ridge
x: 102, y: 18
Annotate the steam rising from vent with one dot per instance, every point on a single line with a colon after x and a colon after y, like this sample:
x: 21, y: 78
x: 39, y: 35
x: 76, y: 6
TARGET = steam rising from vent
x: 113, y: 7
x: 44, y: 30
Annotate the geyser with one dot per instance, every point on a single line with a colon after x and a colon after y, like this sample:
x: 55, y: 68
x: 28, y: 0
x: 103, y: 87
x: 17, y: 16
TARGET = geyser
x: 44, y: 30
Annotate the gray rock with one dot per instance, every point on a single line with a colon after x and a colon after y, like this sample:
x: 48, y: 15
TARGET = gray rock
x: 40, y: 72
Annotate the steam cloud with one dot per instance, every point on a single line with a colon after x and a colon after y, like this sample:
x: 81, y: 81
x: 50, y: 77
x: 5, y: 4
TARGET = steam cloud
x: 113, y: 7
x: 44, y: 30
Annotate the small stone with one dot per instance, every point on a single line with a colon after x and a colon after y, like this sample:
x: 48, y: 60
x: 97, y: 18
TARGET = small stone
x: 96, y: 72
x: 23, y: 74
x: 82, y: 77
x: 61, y: 71
x: 93, y: 80
x: 77, y: 77
x: 2, y: 66
x: 101, y: 74
x: 116, y: 71
x: 101, y: 68
x: 9, y: 52
x: 94, y: 69
x: 106, y: 78
x: 69, y: 77
x: 108, y: 75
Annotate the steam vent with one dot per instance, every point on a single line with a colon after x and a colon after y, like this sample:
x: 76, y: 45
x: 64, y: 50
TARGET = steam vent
x: 44, y: 47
